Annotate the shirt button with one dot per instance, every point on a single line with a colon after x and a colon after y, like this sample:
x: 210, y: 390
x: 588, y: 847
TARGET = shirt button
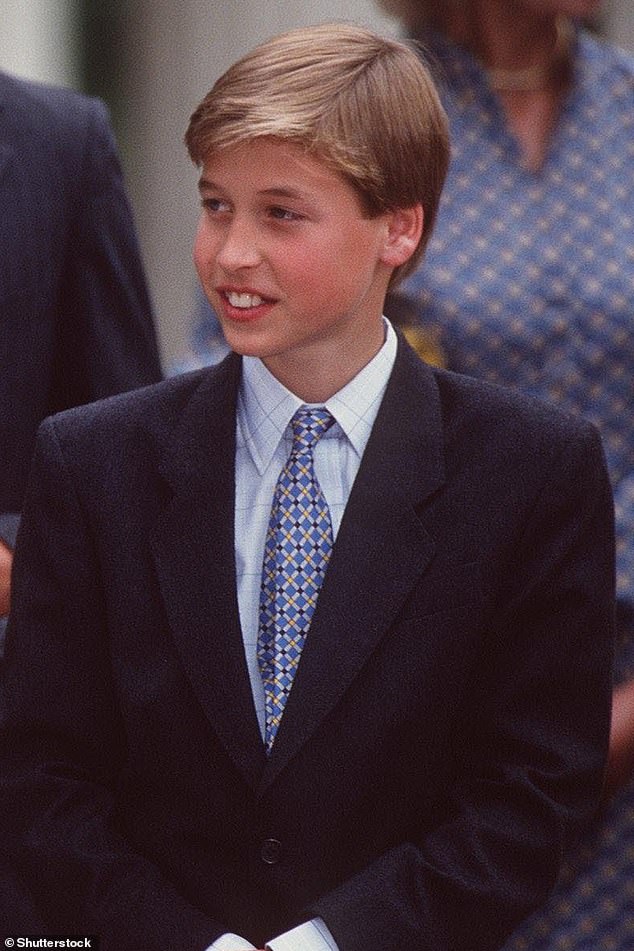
x: 271, y: 851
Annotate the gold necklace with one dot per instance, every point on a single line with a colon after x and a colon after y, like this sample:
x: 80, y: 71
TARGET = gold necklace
x: 534, y: 78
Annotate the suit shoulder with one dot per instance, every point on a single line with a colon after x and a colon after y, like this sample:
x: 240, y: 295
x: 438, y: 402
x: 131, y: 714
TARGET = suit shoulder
x: 154, y: 411
x: 508, y: 416
x: 160, y: 401
x: 103, y: 443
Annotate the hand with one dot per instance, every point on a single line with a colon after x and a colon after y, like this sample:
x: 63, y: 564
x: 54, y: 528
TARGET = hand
x: 621, y: 756
x: 6, y: 561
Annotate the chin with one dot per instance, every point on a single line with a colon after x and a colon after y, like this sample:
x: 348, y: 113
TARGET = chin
x: 245, y: 347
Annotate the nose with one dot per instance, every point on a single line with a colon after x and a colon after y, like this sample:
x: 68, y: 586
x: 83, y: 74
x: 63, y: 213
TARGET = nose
x: 239, y: 246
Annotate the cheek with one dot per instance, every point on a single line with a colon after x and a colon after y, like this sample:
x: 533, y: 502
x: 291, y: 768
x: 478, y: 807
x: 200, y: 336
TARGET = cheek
x: 302, y: 267
x: 203, y: 252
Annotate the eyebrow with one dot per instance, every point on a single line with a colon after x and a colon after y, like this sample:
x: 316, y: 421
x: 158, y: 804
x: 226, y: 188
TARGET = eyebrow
x: 205, y: 183
x: 276, y: 191
x: 280, y: 192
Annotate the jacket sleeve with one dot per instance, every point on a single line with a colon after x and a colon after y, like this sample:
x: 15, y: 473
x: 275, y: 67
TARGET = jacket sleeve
x: 105, y: 335
x: 88, y: 329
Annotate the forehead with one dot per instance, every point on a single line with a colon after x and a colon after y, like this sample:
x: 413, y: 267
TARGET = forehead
x: 267, y: 163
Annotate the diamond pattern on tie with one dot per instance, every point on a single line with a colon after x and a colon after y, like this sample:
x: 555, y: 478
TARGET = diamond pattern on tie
x: 296, y: 553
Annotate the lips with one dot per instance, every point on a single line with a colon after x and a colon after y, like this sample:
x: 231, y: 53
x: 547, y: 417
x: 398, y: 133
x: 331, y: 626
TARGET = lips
x: 243, y: 304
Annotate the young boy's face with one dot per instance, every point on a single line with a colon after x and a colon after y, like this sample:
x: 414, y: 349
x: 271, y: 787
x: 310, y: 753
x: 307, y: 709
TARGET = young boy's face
x: 295, y: 272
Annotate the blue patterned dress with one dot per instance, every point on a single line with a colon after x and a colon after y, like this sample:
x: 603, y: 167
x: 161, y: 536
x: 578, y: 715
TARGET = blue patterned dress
x: 529, y: 282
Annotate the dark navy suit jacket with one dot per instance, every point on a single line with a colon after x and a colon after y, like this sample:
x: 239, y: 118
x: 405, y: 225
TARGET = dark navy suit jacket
x: 75, y: 318
x: 447, y: 729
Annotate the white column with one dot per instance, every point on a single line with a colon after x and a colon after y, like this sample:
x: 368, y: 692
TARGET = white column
x: 37, y: 40
x: 620, y: 22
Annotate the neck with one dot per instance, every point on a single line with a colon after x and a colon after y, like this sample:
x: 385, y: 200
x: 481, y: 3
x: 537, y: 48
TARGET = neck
x: 316, y: 383
x: 315, y: 375
x: 543, y: 73
x: 520, y: 49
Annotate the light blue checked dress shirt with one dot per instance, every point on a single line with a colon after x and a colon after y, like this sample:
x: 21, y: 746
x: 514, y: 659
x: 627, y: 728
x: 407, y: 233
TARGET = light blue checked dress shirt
x: 263, y: 444
x: 528, y: 281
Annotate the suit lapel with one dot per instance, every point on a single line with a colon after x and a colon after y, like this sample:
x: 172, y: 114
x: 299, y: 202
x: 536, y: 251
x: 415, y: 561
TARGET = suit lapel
x: 193, y: 547
x: 380, y: 552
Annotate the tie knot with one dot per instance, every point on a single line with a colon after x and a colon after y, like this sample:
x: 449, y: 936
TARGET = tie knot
x: 309, y: 425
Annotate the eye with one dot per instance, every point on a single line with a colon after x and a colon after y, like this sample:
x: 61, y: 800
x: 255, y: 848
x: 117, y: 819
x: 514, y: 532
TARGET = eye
x: 284, y: 214
x: 214, y: 205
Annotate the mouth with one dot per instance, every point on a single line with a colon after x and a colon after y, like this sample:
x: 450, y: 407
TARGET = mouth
x: 243, y: 301
x: 242, y: 304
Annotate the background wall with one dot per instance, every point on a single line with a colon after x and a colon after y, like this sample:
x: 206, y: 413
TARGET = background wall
x: 152, y: 61
x: 620, y: 22
x: 39, y: 39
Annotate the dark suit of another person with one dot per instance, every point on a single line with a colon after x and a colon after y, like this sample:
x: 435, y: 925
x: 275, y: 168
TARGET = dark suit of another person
x: 447, y: 728
x: 75, y: 317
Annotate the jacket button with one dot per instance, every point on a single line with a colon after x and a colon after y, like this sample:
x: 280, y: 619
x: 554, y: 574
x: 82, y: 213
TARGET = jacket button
x: 271, y: 851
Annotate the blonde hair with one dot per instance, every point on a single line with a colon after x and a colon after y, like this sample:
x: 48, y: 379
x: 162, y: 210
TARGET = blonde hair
x: 365, y: 105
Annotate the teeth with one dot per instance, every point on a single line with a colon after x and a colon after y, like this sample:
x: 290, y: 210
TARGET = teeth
x: 244, y: 300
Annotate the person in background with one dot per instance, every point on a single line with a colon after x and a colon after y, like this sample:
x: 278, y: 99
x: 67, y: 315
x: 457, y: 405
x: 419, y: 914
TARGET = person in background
x: 205, y: 342
x: 323, y: 634
x: 528, y: 281
x: 75, y: 316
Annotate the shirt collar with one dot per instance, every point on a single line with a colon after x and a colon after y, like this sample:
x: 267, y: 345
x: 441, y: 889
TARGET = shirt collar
x: 266, y: 407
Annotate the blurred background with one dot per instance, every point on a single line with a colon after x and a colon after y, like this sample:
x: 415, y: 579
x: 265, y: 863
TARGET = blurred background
x: 152, y: 61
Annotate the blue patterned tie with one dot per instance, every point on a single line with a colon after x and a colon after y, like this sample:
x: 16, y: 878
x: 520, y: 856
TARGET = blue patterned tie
x: 296, y: 554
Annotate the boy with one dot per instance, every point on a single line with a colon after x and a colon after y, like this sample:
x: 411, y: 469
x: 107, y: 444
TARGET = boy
x: 311, y: 648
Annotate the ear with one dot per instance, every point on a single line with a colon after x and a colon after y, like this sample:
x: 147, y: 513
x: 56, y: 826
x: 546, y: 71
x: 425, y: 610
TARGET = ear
x: 404, y: 230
